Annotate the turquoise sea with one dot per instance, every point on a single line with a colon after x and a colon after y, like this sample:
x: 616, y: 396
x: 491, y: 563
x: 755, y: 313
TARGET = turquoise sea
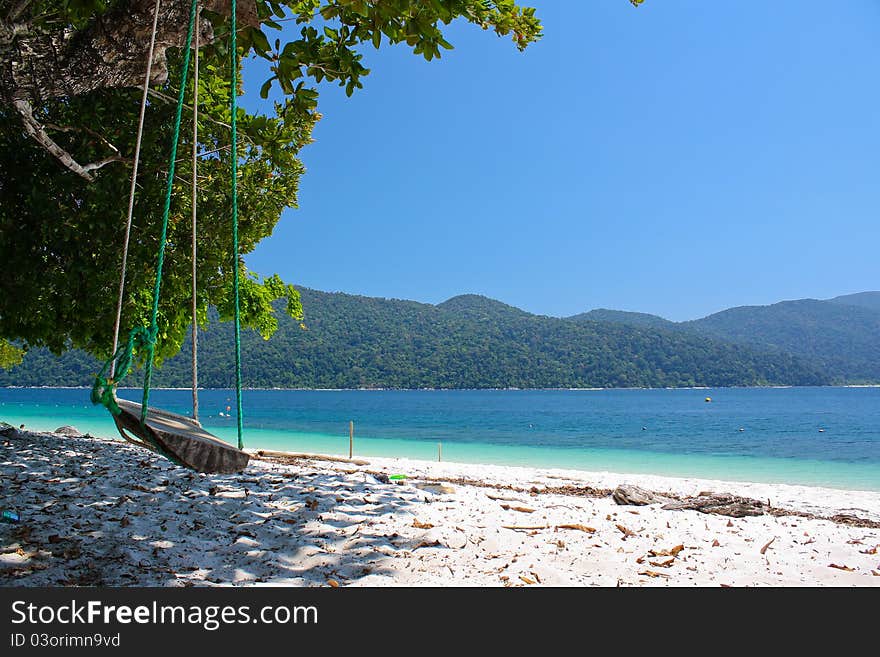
x: 814, y: 436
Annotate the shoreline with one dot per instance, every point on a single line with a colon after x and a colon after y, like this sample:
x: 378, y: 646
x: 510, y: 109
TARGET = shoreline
x: 800, y: 498
x: 100, y: 512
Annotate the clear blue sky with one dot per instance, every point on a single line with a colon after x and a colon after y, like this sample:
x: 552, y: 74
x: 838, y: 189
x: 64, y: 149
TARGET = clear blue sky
x: 677, y: 159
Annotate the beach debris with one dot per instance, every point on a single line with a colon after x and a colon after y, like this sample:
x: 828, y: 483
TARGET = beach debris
x: 68, y: 430
x: 526, y: 579
x: 671, y: 552
x: 872, y: 550
x: 333, y: 583
x: 651, y: 573
x: 722, y: 504
x: 633, y: 495
x: 663, y: 564
x: 10, y: 517
x: 436, y: 488
x: 427, y: 544
x: 382, y: 478
x: 521, y: 509
x: 522, y: 528
x: 579, y: 527
x: 626, y: 531
x: 715, y: 543
x: 840, y: 567
x: 421, y: 525
x: 729, y: 523
x: 767, y: 545
x: 502, y: 498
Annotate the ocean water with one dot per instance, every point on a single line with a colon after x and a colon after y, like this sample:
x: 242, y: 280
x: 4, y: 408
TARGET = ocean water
x: 744, y: 434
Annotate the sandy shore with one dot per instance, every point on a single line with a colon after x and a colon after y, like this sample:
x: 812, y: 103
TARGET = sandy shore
x: 99, y: 512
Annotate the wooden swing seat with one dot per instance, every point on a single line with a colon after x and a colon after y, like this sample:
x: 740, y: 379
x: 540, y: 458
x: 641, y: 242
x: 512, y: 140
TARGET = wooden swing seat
x: 180, y: 437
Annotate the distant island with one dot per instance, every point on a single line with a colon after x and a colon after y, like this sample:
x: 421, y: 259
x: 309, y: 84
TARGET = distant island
x: 471, y: 341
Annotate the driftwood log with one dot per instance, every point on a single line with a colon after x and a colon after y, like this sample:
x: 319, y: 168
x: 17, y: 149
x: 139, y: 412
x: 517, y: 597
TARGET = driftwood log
x: 722, y: 504
x: 633, y: 495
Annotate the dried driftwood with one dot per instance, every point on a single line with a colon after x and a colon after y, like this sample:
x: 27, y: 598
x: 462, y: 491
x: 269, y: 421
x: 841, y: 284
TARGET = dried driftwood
x: 633, y: 495
x: 721, y: 504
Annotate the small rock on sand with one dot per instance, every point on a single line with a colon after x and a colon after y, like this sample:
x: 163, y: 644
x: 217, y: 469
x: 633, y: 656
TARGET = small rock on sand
x: 68, y: 430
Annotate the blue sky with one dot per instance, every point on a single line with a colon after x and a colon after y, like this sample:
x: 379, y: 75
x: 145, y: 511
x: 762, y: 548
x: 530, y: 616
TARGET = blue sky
x: 677, y: 159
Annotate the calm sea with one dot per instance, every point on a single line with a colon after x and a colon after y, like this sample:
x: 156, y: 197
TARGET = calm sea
x: 813, y: 436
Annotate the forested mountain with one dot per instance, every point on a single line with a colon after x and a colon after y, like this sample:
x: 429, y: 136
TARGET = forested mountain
x: 624, y: 317
x: 466, y: 342
x: 843, y: 340
x: 865, y: 299
x: 840, y: 336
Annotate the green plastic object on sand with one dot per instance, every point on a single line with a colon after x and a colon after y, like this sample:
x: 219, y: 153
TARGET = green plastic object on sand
x: 12, y: 517
x: 397, y: 477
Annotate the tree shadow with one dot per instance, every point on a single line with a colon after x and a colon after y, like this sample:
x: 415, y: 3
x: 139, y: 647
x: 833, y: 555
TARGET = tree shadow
x: 98, y: 512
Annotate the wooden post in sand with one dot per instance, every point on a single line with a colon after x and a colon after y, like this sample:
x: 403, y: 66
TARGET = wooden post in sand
x: 439, y: 451
x: 350, y: 438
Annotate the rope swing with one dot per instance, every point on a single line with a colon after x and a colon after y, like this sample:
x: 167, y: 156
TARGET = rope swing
x: 178, y: 438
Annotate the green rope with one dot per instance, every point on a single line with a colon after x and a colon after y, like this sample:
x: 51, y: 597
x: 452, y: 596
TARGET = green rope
x: 104, y: 389
x: 166, y: 212
x: 233, y: 69
x: 144, y: 338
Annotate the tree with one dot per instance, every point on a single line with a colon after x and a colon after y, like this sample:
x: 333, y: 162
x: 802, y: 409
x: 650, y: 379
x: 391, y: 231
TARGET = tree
x: 69, y: 73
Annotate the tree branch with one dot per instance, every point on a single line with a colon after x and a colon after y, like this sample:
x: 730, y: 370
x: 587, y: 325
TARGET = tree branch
x: 38, y: 132
x: 88, y: 131
x: 100, y: 163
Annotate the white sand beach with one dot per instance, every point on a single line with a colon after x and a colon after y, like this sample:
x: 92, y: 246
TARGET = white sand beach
x: 100, y: 512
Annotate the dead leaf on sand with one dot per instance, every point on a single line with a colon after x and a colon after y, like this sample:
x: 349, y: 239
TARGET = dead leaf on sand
x: 422, y: 525
x: 715, y: 543
x: 626, y: 532
x: 526, y: 579
x: 872, y: 550
x: 767, y: 544
x: 651, y: 573
x: 663, y: 564
x: 671, y: 552
x: 521, y: 509
x: 424, y: 544
x: 579, y: 527
x: 839, y: 567
x: 525, y: 528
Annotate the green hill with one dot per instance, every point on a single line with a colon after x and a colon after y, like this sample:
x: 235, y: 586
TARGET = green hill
x: 466, y: 342
x: 624, y: 317
x: 843, y: 340
x: 864, y: 299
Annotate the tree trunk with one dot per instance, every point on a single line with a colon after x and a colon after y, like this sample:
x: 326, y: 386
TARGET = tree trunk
x: 37, y: 65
